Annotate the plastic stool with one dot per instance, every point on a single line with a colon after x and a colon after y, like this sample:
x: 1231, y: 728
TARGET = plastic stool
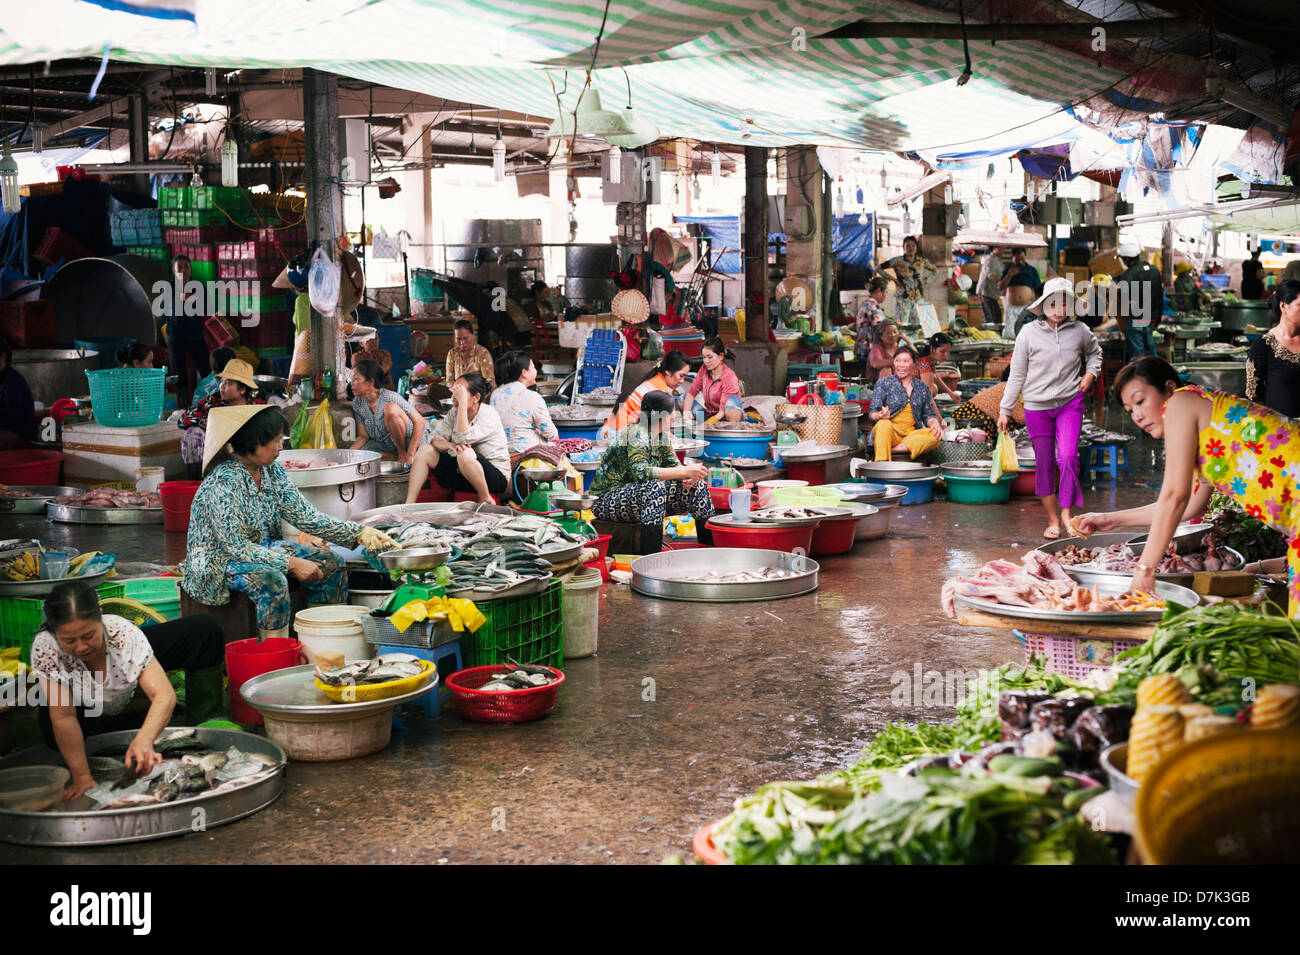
x: 450, y: 651
x: 472, y: 497
x: 1110, y: 458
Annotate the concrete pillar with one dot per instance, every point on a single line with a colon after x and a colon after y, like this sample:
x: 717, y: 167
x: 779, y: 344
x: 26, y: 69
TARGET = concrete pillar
x: 138, y: 138
x: 320, y: 110
x: 937, y: 250
x: 1167, y: 255
x: 754, y: 243
x: 807, y: 227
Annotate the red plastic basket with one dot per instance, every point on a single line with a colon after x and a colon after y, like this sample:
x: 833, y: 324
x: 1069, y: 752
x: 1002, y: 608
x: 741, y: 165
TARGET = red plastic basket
x: 508, y: 706
x: 601, y: 544
x: 721, y: 496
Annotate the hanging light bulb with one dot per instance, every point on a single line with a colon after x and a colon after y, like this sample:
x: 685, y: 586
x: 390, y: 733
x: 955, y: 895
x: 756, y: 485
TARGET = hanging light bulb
x: 9, y: 199
x: 229, y: 162
x: 695, y: 187
x: 615, y: 165
x: 38, y: 137
x: 210, y: 81
x: 498, y: 159
x: 947, y: 194
x: 863, y: 218
x: 715, y: 167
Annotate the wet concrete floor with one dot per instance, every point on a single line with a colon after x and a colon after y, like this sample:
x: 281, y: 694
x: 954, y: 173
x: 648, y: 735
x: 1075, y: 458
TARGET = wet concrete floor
x: 685, y: 708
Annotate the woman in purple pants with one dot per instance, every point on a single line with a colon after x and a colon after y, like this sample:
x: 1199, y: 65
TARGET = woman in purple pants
x: 1056, y: 361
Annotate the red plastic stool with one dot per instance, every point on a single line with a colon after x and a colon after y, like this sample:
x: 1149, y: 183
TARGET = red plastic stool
x: 471, y: 496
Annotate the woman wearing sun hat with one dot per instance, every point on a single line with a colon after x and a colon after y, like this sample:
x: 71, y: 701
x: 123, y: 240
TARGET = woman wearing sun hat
x: 235, y: 387
x: 1055, y: 362
x: 234, y: 539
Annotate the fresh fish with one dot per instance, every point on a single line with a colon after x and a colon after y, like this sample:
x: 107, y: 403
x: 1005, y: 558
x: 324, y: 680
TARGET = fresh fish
x: 103, y: 795
x: 238, y: 765
x: 136, y: 799
x: 164, y: 791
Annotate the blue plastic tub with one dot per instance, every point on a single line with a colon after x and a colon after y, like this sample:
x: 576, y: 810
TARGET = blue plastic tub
x: 589, y: 432
x: 738, y: 447
x: 918, y: 492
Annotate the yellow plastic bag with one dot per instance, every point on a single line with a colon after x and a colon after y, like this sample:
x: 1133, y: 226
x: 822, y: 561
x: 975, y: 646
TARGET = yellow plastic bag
x: 320, y: 429
x: 1004, y: 458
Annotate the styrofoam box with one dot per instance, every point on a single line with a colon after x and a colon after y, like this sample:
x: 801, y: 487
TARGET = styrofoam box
x: 96, y: 454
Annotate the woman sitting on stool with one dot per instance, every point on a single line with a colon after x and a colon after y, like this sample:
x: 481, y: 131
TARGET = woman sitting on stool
x: 468, y: 450
x: 897, y: 404
x: 89, y: 666
x: 386, y: 422
x: 639, y: 480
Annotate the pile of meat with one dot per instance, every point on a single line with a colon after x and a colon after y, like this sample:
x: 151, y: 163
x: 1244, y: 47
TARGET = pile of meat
x: 13, y: 492
x: 1039, y: 583
x: 1072, y: 554
x: 1122, y: 559
x: 107, y: 497
x: 290, y: 465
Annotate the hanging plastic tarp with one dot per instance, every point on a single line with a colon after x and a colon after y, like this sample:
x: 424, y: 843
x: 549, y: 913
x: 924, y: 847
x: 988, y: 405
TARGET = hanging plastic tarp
x: 852, y: 241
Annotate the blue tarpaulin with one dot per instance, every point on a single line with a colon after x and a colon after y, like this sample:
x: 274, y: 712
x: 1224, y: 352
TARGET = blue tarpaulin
x: 852, y: 242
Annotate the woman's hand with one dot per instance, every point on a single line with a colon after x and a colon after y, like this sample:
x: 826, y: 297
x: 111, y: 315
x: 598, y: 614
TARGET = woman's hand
x: 936, y: 428
x: 310, y: 540
x: 1144, y: 582
x: 880, y: 415
x: 1086, y: 382
x: 305, y: 571
x: 79, y: 786
x: 141, y: 756
x: 1085, y: 525
x: 459, y: 393
x: 694, y: 472
x: 1004, y: 422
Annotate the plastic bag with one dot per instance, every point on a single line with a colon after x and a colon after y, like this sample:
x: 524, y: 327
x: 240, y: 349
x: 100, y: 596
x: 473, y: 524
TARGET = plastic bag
x: 1004, y: 458
x: 320, y: 429
x: 323, y: 283
x: 299, y: 429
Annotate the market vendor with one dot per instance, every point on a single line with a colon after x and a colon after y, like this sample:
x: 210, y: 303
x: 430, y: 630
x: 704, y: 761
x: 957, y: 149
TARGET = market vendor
x: 1020, y: 283
x: 899, y: 401
x: 1213, y: 442
x: 235, y: 387
x: 640, y: 481
x: 912, y: 270
x: 715, y: 392
x: 1188, y: 296
x: 234, y: 539
x: 1273, y: 361
x: 880, y: 359
x: 938, y: 350
x: 17, y: 407
x: 209, y: 384
x: 386, y: 422
x: 91, y: 664
x: 667, y: 376
x: 135, y: 355
x: 467, y: 450
x: 468, y: 356
x: 522, y: 411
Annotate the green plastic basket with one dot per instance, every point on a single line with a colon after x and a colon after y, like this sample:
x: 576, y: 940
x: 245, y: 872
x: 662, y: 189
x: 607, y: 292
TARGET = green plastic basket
x: 21, y: 618
x: 127, y: 397
x: 807, y: 496
x: 978, y: 490
x: 529, y: 629
x: 161, y: 593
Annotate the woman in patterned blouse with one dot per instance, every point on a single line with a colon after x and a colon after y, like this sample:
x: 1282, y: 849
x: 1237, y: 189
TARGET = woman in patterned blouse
x: 235, y: 539
x: 900, y: 405
x: 639, y: 480
x: 386, y: 422
x: 523, y: 411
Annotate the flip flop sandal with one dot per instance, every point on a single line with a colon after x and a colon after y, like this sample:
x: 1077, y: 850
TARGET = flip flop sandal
x: 1052, y: 533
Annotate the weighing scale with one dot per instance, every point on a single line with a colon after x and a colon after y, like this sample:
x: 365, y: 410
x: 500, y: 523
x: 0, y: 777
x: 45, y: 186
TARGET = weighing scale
x: 544, y: 482
x: 573, y: 505
x: 417, y: 565
x: 786, y: 436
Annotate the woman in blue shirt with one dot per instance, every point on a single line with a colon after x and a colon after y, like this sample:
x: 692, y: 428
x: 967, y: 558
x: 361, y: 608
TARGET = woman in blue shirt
x: 235, y: 539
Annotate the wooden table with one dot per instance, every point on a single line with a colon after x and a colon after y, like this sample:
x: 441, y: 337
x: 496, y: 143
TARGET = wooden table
x: 1106, y: 631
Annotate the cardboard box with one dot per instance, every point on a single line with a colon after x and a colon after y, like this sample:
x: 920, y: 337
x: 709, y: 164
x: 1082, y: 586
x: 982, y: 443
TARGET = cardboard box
x: 1106, y: 262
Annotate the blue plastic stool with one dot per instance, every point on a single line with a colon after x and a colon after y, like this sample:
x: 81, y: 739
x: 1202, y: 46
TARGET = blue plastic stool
x: 1110, y: 458
x: 449, y: 651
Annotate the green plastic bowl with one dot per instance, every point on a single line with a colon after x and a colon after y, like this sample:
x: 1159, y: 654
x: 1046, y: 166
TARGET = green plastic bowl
x: 977, y: 490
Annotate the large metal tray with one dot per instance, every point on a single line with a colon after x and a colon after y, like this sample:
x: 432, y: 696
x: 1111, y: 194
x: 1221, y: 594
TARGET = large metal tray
x: 658, y: 575
x: 35, y: 504
x: 80, y: 825
x: 344, y: 466
x: 719, y: 432
x: 292, y: 693
x: 1088, y: 575
x: 863, y: 491
x: 1110, y: 585
x: 39, y: 588
x: 815, y: 452
x: 896, y: 471
x: 75, y: 514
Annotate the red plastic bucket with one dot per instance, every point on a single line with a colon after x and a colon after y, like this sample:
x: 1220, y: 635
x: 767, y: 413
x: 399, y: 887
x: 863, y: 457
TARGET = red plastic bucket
x: 246, y: 659
x: 792, y: 540
x: 1024, y: 484
x: 834, y: 536
x: 30, y: 468
x: 814, y: 472
x: 177, y: 500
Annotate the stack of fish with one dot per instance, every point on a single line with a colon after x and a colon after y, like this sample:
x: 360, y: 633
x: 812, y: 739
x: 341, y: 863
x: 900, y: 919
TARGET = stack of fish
x: 382, y: 669
x: 497, y: 565
x: 189, y: 768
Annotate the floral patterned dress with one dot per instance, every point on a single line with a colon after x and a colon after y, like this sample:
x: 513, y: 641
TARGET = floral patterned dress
x: 235, y: 544
x: 1253, y: 454
x: 128, y: 653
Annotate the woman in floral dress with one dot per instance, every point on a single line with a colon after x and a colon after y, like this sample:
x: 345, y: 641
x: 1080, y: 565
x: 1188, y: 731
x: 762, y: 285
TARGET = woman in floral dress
x: 911, y: 269
x: 1213, y: 441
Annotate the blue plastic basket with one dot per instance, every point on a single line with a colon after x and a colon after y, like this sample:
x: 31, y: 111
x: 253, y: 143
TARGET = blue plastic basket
x: 127, y: 397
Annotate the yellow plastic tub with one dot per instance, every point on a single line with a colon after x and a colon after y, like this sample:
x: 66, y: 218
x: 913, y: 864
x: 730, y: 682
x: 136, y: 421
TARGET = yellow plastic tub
x: 369, y: 692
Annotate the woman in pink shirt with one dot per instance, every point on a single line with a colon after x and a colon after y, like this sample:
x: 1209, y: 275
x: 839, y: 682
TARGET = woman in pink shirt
x: 715, y: 392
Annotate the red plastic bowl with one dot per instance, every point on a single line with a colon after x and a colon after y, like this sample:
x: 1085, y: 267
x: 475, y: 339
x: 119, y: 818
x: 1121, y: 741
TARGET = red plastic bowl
x: 508, y: 706
x: 792, y: 540
x: 722, y: 496
x: 834, y: 536
x: 30, y: 468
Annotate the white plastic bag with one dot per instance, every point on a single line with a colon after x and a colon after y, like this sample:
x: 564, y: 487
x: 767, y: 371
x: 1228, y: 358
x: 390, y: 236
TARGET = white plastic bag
x: 387, y: 246
x: 323, y: 283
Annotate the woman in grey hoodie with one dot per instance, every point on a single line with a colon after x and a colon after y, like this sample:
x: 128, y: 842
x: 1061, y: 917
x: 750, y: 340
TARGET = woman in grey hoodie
x: 1055, y: 362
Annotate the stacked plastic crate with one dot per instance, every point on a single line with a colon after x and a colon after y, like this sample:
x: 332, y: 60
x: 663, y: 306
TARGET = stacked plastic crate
x: 139, y: 232
x: 265, y: 313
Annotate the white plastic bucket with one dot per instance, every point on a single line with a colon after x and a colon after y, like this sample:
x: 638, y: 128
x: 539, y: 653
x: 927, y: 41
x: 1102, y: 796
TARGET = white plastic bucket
x: 581, y: 614
x: 767, y: 488
x: 148, y: 479
x: 335, y: 629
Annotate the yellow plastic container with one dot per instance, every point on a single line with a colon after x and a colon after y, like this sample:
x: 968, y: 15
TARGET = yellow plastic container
x: 369, y: 692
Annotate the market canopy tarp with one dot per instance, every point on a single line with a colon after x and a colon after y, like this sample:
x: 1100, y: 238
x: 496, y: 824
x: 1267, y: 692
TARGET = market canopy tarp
x: 753, y: 73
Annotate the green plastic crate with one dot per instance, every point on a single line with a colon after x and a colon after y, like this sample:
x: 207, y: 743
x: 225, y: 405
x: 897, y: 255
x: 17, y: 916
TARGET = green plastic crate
x: 158, y: 253
x: 21, y: 618
x: 161, y: 593
x: 218, y: 197
x: 174, y: 197
x: 530, y: 629
x: 258, y: 304
x: 203, y: 271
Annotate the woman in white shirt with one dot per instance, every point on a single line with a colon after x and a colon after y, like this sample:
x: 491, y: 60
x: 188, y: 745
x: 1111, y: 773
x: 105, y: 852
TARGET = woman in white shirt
x: 523, y: 412
x: 468, y: 449
x: 90, y: 665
